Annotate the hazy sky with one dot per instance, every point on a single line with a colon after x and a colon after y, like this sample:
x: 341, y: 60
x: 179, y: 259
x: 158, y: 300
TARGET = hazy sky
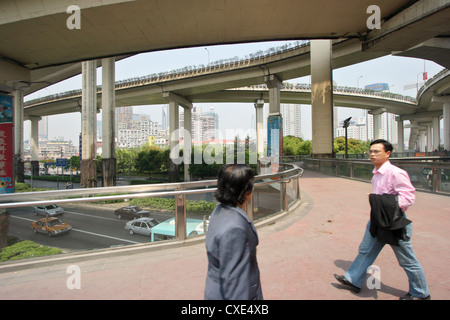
x: 396, y: 71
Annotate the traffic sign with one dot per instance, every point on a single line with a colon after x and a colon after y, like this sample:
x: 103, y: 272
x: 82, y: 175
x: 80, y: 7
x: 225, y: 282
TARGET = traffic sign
x: 61, y: 162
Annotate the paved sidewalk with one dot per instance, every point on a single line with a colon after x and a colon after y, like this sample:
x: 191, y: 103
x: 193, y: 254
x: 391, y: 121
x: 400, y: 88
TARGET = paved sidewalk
x: 297, y: 255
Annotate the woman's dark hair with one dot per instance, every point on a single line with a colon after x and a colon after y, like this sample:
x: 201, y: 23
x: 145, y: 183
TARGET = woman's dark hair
x: 233, y: 182
x: 387, y: 145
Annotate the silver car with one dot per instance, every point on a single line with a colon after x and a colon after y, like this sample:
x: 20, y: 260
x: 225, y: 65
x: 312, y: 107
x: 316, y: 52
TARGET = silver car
x: 48, y: 210
x: 141, y: 226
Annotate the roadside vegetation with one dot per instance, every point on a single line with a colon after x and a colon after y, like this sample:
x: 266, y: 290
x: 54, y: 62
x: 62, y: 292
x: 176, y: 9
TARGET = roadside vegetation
x: 17, y: 250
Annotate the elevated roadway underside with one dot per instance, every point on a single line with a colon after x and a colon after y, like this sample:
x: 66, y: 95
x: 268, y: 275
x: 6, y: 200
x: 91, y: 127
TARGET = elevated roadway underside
x: 37, y: 48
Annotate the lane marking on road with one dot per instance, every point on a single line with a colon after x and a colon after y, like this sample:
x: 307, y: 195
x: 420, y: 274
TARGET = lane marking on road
x: 105, y: 236
x: 90, y: 215
x: 91, y: 233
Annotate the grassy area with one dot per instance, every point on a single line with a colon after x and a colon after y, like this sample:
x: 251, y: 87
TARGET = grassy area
x: 26, y: 249
x: 25, y: 187
x: 61, y: 178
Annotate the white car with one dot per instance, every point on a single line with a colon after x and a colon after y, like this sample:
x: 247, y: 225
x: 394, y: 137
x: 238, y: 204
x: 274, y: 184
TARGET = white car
x: 141, y: 226
x: 48, y: 210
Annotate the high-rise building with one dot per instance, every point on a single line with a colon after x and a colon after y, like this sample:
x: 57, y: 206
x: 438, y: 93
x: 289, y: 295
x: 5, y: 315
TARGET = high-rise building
x: 362, y: 128
x: 122, y: 114
x: 205, y: 126
x: 43, y: 128
x: 292, y: 119
x: 136, y: 131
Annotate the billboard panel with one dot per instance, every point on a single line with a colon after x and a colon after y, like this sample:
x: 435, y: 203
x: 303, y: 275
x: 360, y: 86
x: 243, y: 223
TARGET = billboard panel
x: 377, y: 87
x: 6, y: 145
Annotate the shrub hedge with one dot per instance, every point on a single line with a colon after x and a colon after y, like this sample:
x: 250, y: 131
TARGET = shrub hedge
x: 26, y: 249
x: 168, y: 204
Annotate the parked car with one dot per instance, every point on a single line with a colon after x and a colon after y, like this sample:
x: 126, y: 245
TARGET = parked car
x: 48, y: 210
x: 141, y: 226
x: 51, y: 226
x: 131, y: 212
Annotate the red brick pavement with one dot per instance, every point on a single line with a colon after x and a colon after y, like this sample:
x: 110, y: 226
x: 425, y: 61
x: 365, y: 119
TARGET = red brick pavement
x: 298, y: 255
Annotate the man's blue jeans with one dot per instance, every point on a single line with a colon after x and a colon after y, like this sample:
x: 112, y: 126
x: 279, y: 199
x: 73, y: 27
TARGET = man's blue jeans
x: 369, y: 249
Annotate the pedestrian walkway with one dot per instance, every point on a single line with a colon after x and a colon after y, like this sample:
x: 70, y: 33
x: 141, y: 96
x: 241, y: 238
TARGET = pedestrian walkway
x: 298, y: 255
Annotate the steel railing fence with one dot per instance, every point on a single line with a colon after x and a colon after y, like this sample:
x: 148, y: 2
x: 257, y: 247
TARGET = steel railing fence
x: 283, y: 185
x: 426, y: 174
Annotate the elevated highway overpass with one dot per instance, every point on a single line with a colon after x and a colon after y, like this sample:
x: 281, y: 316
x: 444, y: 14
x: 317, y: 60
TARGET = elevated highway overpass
x: 215, y: 84
x: 38, y: 45
x: 43, y: 43
x: 240, y: 81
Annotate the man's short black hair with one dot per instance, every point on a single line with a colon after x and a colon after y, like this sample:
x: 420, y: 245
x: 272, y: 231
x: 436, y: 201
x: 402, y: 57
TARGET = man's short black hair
x: 387, y: 145
x: 233, y: 182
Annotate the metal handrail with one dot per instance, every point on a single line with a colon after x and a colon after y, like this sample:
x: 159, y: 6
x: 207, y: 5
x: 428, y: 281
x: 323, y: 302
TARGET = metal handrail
x: 178, y: 190
x: 432, y: 165
x: 12, y: 200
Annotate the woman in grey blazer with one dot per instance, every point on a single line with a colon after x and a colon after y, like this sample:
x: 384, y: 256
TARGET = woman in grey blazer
x: 231, y: 240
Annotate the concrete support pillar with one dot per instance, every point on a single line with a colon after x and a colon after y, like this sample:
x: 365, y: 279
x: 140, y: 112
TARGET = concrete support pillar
x: 259, y: 108
x: 377, y: 122
x: 274, y: 84
x: 187, y: 137
x: 89, y: 124
x: 108, y: 123
x: 429, y: 141
x: 174, y: 117
x: 274, y: 122
x: 446, y: 125
x: 400, y: 135
x: 422, y: 140
x: 322, y: 98
x: 436, y: 133
x: 18, y: 136
x: 445, y: 100
x: 34, y: 145
x: 377, y: 128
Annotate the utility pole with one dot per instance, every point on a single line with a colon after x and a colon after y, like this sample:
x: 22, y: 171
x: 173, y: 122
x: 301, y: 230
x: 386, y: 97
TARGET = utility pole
x: 346, y: 124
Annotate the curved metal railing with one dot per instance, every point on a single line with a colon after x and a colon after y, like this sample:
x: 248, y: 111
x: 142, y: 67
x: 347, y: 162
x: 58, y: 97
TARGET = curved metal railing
x: 430, y: 82
x: 299, y: 87
x: 273, y: 193
x: 427, y: 174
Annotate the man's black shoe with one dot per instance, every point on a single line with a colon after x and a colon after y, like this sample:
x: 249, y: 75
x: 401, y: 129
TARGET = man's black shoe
x: 347, y: 284
x: 410, y: 297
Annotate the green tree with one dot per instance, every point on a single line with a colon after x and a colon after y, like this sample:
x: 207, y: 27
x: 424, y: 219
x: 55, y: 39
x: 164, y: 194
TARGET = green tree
x: 205, y: 169
x: 354, y: 146
x: 305, y: 147
x: 296, y: 146
x: 148, y: 159
x: 75, y: 162
x: 125, y: 159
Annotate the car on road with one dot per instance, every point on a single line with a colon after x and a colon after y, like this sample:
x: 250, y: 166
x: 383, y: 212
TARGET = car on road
x: 141, y: 226
x: 48, y: 210
x: 51, y: 226
x: 131, y: 212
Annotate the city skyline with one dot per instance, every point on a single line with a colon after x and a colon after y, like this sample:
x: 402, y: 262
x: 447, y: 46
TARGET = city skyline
x: 397, y: 72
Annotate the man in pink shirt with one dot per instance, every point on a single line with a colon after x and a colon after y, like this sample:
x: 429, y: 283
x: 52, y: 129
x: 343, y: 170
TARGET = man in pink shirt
x: 388, y: 179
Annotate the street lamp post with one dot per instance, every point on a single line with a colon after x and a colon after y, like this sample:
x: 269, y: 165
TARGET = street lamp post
x: 346, y: 124
x: 357, y: 81
x: 208, y: 55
